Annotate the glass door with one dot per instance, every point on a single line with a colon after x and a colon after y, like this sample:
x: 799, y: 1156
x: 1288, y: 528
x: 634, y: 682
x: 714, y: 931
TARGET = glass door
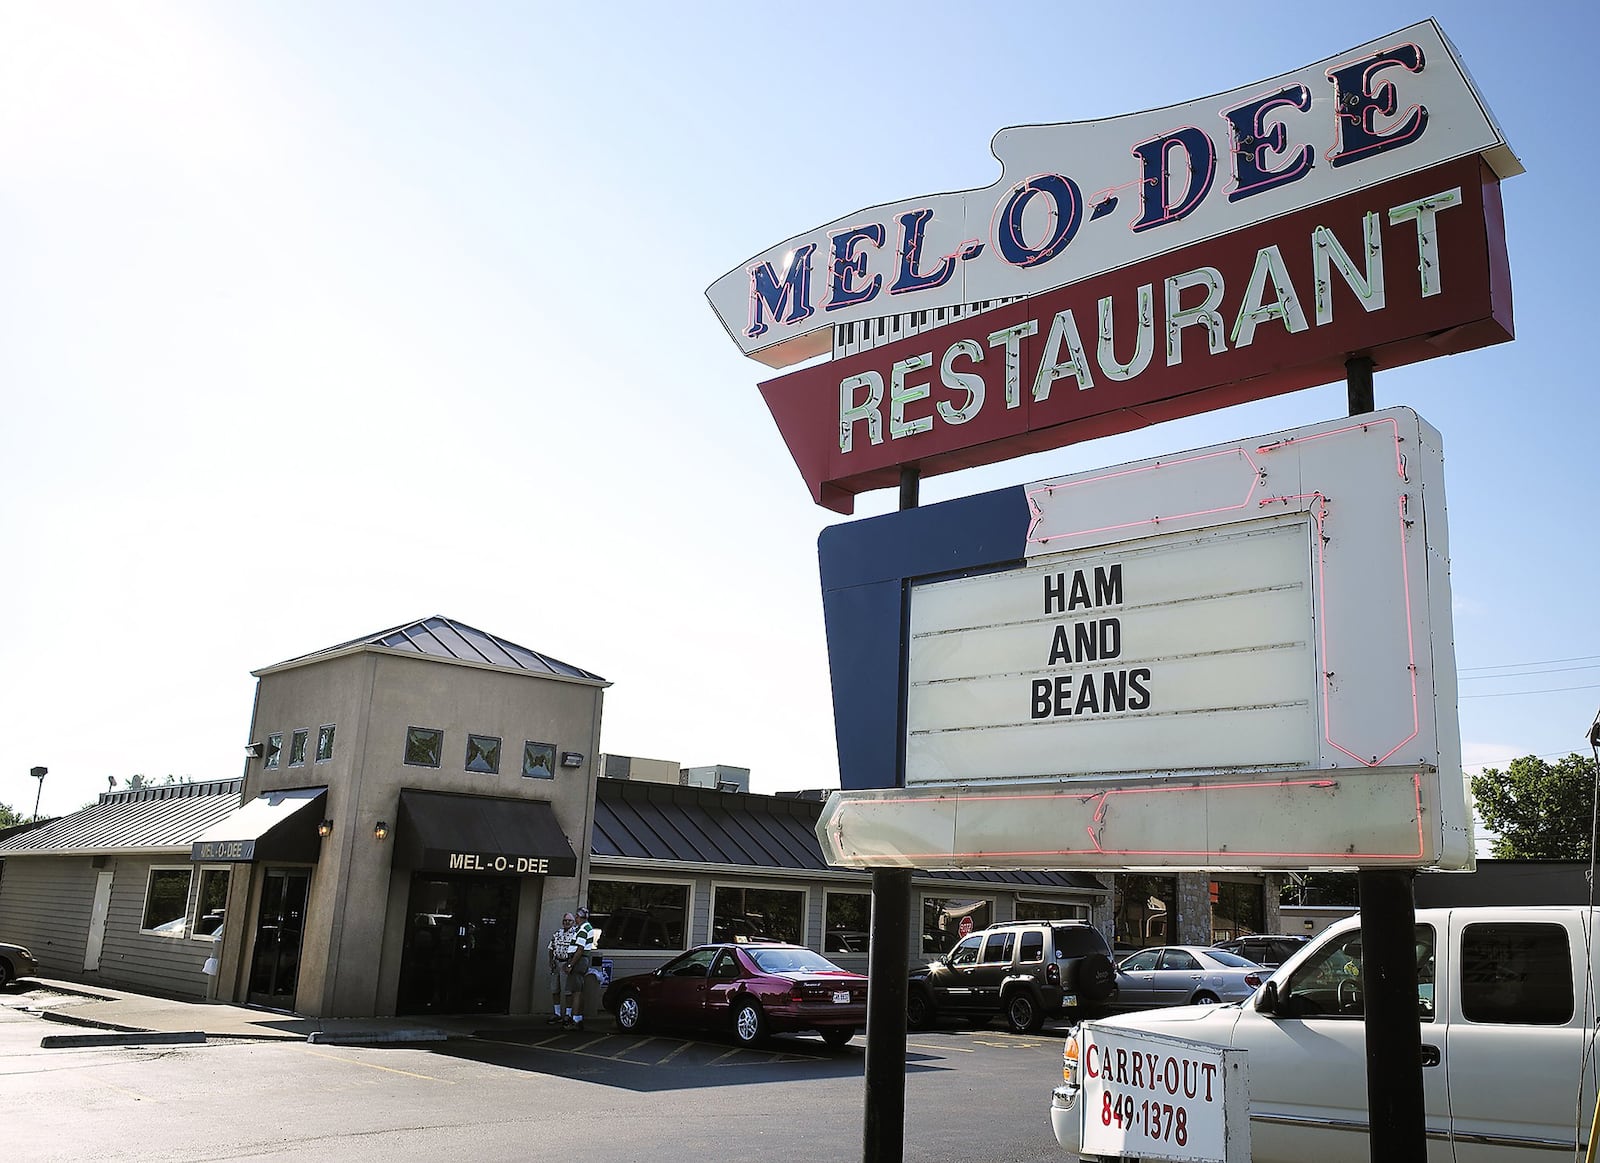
x: 280, y: 923
x: 461, y: 939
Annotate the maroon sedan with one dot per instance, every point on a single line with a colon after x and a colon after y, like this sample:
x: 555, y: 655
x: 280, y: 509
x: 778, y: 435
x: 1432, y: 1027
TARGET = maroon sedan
x: 751, y: 989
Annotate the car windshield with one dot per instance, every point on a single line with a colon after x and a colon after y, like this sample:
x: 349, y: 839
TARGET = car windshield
x: 792, y: 961
x: 1232, y: 960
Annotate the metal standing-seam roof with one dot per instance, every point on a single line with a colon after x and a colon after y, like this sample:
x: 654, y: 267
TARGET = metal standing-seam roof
x: 445, y: 638
x: 653, y: 821
x: 150, y: 820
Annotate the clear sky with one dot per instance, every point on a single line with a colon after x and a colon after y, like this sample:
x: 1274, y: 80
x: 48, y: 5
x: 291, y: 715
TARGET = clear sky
x: 316, y: 318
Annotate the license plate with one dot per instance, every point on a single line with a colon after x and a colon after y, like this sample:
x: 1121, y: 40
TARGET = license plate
x: 841, y: 996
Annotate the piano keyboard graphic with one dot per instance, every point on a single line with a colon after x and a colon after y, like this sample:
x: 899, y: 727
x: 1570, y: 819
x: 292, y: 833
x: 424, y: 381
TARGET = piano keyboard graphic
x: 854, y: 338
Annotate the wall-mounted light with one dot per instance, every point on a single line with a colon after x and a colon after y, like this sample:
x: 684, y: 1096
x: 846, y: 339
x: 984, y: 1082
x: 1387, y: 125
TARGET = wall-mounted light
x: 380, y: 830
x: 325, y: 829
x: 572, y: 759
x: 252, y: 751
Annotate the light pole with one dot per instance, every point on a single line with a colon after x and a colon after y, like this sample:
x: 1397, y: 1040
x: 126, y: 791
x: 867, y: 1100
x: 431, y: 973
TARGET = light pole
x: 38, y: 773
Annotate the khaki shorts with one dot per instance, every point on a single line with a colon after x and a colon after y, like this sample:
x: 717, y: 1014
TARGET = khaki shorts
x: 575, y: 975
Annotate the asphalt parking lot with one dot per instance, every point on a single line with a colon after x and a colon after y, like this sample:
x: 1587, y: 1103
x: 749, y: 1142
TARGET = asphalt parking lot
x: 518, y: 1091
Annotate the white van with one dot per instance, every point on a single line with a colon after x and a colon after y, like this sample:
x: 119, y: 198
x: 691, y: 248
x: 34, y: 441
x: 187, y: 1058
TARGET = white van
x: 1507, y: 1002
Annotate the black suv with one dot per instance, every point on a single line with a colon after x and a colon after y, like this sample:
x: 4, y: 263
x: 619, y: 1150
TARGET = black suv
x: 1025, y: 970
x: 1267, y: 951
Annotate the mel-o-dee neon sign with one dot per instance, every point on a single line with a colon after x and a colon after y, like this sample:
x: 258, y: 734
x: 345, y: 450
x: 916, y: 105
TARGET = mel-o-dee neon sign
x: 1140, y: 268
x: 1239, y: 657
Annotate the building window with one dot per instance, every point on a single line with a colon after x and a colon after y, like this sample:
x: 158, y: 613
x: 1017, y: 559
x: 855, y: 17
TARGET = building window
x: 1039, y: 910
x: 424, y: 745
x: 945, y: 920
x: 483, y: 754
x: 639, y: 914
x: 297, y: 748
x: 211, y: 902
x: 846, y: 921
x: 274, y: 750
x: 539, y: 760
x: 166, y: 901
x: 1237, y: 908
x: 1146, y: 910
x: 757, y: 914
x: 325, y: 743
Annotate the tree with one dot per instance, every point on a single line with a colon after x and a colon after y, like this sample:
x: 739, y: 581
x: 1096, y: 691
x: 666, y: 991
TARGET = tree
x: 1538, y: 811
x: 8, y: 818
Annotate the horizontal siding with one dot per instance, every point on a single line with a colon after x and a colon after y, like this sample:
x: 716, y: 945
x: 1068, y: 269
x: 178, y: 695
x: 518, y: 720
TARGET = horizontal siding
x: 44, y: 904
x: 140, y: 961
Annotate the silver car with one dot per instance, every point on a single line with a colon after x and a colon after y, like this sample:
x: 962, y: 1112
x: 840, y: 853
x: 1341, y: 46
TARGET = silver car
x: 1180, y: 975
x: 15, y: 962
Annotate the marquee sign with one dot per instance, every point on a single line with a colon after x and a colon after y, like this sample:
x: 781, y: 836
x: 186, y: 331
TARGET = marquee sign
x: 1140, y: 268
x: 1239, y: 656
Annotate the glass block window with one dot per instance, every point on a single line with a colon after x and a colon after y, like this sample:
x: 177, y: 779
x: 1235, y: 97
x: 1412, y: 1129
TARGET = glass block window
x: 538, y: 760
x: 325, y: 743
x: 166, y: 901
x: 297, y: 748
x: 274, y: 752
x: 424, y: 745
x: 483, y: 754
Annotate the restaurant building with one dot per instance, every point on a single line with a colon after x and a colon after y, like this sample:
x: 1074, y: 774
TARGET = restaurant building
x: 418, y: 808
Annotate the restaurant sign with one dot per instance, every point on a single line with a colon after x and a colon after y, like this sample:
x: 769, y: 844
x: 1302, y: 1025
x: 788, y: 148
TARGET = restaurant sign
x: 1136, y: 269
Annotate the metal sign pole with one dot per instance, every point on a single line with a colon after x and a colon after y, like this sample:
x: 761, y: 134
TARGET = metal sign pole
x: 888, y: 957
x: 1395, y: 1110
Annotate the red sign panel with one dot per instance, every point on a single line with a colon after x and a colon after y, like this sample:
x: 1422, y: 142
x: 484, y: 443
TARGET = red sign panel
x: 1400, y: 272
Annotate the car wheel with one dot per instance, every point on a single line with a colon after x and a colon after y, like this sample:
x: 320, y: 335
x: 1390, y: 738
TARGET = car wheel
x: 630, y: 1012
x: 749, y: 1023
x: 919, y: 1010
x: 6, y: 973
x: 1022, y: 1013
x: 837, y: 1036
x: 1204, y: 999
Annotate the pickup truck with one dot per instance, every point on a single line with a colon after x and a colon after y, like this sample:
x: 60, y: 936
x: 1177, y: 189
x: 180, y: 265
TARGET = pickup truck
x: 1506, y: 998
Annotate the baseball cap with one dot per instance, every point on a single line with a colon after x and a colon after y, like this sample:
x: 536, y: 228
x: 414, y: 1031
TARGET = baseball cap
x: 582, y: 912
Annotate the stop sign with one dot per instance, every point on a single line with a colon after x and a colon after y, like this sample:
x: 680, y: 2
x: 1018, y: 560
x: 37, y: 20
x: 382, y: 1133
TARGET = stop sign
x: 966, y: 926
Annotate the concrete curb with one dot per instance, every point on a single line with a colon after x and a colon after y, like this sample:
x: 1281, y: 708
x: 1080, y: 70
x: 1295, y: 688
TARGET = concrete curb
x: 374, y: 1037
x: 136, y: 1038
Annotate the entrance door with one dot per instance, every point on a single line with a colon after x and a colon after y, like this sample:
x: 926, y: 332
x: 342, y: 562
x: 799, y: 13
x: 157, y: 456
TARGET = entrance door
x: 275, y: 967
x: 461, y: 940
x: 97, y: 920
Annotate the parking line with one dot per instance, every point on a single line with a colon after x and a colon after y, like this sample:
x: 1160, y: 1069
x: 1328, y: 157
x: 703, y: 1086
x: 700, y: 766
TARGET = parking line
x: 675, y: 1053
x: 947, y: 1049
x: 721, y: 1057
x: 385, y: 1069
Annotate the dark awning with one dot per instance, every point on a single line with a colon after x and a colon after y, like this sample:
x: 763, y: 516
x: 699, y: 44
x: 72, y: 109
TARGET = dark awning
x: 278, y: 825
x: 440, y: 832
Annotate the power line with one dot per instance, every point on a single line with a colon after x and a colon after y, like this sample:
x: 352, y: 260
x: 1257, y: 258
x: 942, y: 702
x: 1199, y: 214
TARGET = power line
x: 1531, y: 673
x: 1546, y: 691
x: 1546, y: 662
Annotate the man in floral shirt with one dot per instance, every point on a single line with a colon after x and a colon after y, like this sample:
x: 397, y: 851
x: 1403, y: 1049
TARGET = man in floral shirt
x: 558, y: 951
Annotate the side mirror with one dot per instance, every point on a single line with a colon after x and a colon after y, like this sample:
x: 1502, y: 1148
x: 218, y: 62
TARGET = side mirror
x: 1267, y: 998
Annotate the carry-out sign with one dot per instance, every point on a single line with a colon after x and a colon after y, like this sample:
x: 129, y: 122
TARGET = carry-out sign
x: 1236, y: 656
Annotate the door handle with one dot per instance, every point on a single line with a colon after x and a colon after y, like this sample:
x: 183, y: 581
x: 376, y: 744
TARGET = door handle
x: 1430, y: 1055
